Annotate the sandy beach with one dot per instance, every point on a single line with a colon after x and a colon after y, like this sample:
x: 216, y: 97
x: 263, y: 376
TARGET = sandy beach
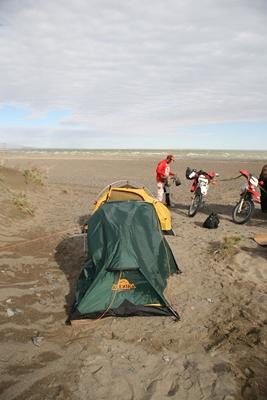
x: 216, y: 351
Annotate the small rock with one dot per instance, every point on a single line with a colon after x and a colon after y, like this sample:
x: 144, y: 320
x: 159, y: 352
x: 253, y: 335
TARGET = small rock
x: 249, y: 372
x: 209, y: 300
x: 13, y: 311
x: 166, y: 358
x: 37, y: 340
x: 9, y: 301
x: 10, y: 312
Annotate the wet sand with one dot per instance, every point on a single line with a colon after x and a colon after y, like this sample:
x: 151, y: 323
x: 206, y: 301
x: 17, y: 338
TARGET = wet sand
x: 216, y: 351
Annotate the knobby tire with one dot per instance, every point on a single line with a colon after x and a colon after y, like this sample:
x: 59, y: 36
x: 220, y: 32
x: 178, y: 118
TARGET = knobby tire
x: 195, y: 205
x: 246, y: 212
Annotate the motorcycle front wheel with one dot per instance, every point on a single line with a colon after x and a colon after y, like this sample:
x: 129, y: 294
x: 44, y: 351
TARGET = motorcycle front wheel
x: 243, y: 214
x: 196, y: 203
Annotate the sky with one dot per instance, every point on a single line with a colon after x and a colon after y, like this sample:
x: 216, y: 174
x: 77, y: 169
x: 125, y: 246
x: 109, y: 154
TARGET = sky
x: 164, y: 74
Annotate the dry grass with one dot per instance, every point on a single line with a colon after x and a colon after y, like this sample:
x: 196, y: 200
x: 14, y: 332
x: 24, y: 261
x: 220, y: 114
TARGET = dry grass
x: 33, y: 175
x: 21, y: 202
x: 228, y: 247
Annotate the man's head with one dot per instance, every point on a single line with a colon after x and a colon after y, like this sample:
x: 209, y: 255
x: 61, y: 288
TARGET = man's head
x: 170, y: 158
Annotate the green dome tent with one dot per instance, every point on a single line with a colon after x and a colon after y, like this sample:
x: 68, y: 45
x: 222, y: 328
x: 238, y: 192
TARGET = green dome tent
x: 128, y: 265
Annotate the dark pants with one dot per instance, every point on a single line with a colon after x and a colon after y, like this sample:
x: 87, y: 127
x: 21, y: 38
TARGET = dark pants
x: 167, y: 195
x: 264, y: 197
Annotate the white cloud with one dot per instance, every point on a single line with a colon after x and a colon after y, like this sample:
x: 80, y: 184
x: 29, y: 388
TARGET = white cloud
x: 135, y: 66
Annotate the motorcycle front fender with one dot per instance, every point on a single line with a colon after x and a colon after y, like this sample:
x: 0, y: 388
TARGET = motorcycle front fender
x: 203, y: 190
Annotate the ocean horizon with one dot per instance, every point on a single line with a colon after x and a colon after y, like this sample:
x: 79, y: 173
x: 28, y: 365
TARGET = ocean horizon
x: 136, y: 153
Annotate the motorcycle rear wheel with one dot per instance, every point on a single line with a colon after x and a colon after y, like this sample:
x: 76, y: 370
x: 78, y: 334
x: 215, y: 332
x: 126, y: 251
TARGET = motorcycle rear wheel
x: 242, y: 216
x: 195, y: 205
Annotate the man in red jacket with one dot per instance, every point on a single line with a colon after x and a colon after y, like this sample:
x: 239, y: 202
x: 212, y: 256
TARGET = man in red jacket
x: 163, y: 173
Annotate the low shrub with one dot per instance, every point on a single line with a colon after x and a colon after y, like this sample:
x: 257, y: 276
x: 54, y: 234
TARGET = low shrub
x: 228, y: 247
x: 33, y: 175
x: 21, y: 202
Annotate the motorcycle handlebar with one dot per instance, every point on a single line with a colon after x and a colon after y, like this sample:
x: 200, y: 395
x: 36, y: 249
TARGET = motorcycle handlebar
x: 210, y: 174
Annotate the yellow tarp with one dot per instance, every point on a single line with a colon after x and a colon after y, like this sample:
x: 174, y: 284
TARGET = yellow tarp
x: 129, y: 193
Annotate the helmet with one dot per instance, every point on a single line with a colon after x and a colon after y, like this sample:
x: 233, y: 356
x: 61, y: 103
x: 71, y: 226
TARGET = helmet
x: 190, y: 173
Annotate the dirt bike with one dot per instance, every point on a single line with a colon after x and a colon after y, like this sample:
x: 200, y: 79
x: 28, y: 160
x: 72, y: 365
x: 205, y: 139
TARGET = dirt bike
x: 199, y: 188
x: 249, y: 195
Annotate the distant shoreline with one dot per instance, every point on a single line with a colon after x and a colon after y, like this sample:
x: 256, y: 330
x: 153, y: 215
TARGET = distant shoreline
x: 219, y: 155
x: 62, y: 149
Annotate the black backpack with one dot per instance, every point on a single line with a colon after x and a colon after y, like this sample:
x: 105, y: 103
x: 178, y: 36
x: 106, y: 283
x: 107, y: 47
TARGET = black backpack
x: 212, y: 222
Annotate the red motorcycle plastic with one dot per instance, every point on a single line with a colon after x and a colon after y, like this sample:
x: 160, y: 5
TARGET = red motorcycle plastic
x: 200, y: 186
x: 249, y: 195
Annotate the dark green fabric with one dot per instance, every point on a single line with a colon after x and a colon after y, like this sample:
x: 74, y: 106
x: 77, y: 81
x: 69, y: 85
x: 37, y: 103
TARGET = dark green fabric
x: 124, y: 240
x: 101, y: 296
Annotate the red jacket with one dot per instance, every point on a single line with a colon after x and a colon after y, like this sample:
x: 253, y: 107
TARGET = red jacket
x: 163, y: 171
